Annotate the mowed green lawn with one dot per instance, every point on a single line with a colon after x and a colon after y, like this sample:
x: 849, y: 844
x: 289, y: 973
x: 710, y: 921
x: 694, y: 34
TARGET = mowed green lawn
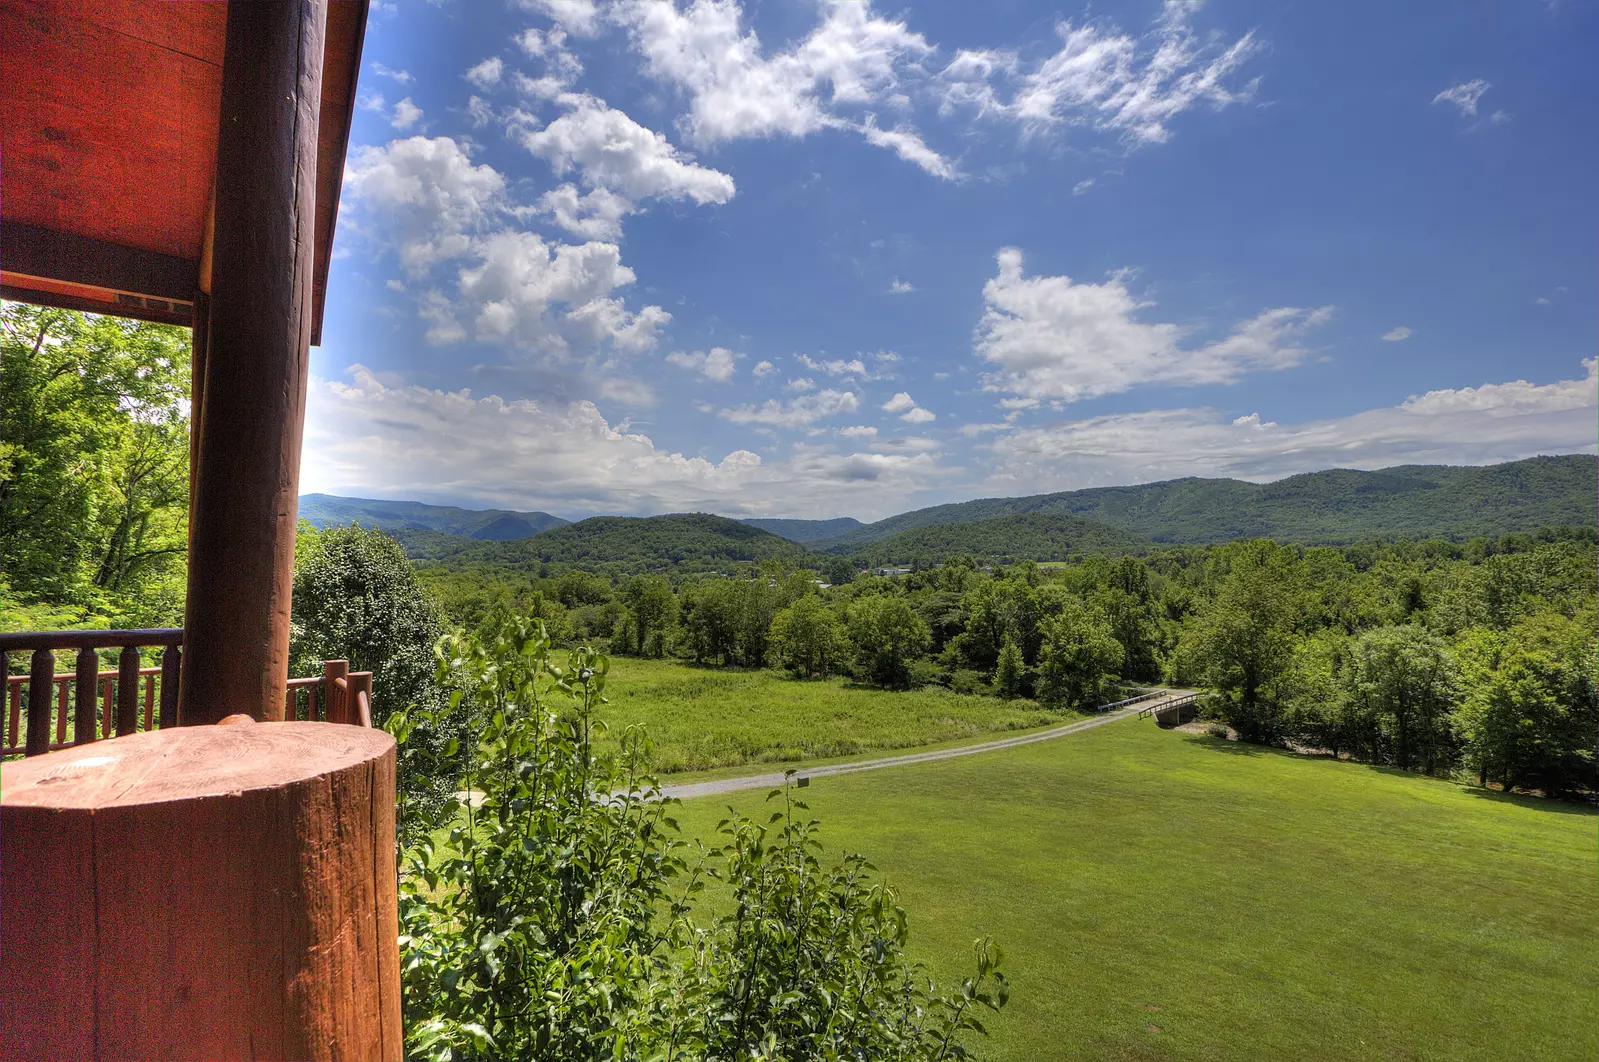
x: 702, y: 718
x: 1162, y: 895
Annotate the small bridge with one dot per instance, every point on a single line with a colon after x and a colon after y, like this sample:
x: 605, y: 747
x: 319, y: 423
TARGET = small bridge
x: 1179, y: 707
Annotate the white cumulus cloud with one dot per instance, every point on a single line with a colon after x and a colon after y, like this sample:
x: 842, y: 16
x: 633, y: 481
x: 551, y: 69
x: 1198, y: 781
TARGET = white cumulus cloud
x: 406, y: 114
x: 1054, y: 338
x: 715, y: 364
x: 1469, y: 425
x: 797, y: 412
x: 736, y: 89
x: 834, y: 367
x: 611, y: 150
x: 486, y: 74
x: 476, y: 274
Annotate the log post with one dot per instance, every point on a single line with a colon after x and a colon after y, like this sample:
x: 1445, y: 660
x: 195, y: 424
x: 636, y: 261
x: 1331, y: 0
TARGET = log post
x: 127, y: 691
x: 220, y: 892
x: 171, y: 665
x: 41, y: 685
x: 256, y: 355
x: 336, y: 698
x: 88, y: 695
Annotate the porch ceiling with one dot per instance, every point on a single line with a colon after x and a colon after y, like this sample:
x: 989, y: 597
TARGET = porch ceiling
x: 108, y: 146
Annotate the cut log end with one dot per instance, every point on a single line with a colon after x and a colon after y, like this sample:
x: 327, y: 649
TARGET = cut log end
x: 203, y: 892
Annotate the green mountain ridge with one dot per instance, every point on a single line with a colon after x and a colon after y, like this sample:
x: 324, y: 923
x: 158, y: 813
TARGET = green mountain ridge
x: 805, y: 530
x: 326, y: 510
x: 1004, y: 539
x: 684, y: 541
x: 1333, y: 506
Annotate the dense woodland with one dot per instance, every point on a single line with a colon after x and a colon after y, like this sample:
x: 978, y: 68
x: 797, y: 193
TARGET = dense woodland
x: 94, y: 470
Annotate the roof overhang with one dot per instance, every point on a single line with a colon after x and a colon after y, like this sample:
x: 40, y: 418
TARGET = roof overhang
x: 108, y: 148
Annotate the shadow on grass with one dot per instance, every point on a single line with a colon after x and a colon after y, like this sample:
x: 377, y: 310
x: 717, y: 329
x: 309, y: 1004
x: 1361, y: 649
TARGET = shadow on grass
x: 1546, y: 804
x: 1556, y: 805
x: 1232, y: 748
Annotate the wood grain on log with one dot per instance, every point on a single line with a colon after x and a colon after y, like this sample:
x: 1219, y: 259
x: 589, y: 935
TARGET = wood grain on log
x: 203, y: 893
x: 241, y: 543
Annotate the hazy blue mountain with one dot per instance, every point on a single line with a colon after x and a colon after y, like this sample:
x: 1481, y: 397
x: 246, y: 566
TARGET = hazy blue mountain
x: 806, y: 530
x: 1338, y: 505
x: 325, y: 510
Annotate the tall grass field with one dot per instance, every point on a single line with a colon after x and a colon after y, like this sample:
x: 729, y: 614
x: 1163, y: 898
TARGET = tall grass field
x: 703, y: 718
x: 1162, y: 895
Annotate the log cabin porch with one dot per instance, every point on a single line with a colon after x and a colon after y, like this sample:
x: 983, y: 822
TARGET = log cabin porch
x: 183, y: 889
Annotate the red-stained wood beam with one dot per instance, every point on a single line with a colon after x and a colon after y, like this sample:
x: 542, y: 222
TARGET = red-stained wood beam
x: 35, y: 252
x: 346, y: 35
x: 241, y: 560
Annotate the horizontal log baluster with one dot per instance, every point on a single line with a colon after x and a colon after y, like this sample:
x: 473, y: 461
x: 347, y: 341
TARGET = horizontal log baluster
x: 85, y: 730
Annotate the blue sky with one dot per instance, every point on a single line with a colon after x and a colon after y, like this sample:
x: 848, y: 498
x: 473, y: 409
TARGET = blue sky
x: 790, y: 258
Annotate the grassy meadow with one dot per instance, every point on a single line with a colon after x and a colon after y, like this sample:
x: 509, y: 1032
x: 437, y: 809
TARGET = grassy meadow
x: 702, y: 718
x: 1163, y: 895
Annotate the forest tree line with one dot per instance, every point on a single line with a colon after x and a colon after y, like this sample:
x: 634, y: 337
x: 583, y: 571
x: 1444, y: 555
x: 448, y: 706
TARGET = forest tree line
x: 1430, y: 655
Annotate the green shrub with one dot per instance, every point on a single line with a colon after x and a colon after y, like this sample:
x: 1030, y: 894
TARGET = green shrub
x: 924, y: 672
x: 560, y: 918
x: 965, y: 680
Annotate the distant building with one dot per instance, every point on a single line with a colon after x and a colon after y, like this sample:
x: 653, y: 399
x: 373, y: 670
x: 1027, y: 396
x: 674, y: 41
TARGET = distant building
x: 892, y: 573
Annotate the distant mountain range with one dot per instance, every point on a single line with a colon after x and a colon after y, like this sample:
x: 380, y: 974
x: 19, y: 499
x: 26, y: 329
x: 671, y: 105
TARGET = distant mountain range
x: 494, y: 525
x: 1335, y: 506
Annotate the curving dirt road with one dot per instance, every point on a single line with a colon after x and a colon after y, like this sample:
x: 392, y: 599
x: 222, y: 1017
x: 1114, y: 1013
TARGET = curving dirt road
x: 775, y: 779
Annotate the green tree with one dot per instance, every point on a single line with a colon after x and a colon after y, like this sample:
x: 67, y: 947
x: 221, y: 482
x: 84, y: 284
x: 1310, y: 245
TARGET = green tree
x: 839, y: 571
x: 808, y: 638
x: 1010, y: 672
x: 1531, y: 711
x: 93, y: 459
x: 357, y: 598
x: 1242, y: 639
x: 709, y: 620
x: 651, y: 609
x: 1403, y: 680
x: 887, y: 635
x: 1079, y: 660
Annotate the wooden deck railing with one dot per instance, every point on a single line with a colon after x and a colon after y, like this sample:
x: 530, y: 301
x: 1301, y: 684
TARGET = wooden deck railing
x: 47, y: 710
